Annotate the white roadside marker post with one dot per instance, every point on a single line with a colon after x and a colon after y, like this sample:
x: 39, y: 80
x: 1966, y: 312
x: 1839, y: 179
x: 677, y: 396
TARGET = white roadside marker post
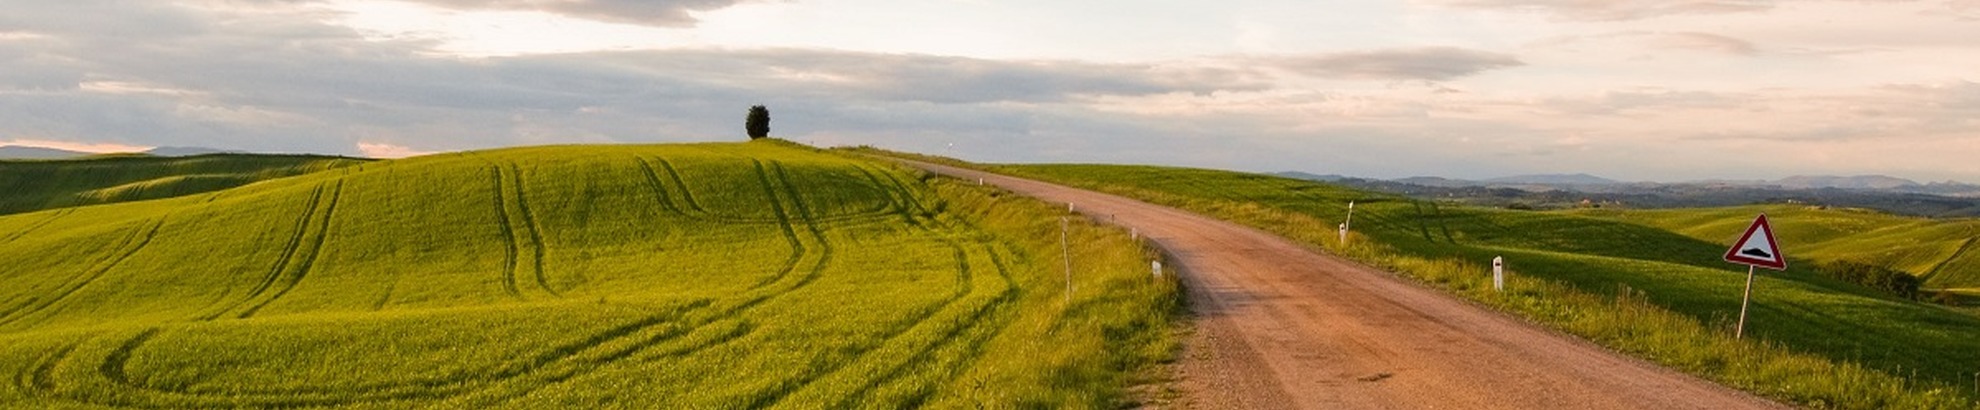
x: 1499, y: 273
x: 1156, y: 266
x: 1343, y: 234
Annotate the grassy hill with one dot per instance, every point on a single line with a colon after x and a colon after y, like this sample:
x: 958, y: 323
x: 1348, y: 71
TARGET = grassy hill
x: 1936, y: 250
x: 1647, y: 283
x: 38, y: 185
x: 673, y: 276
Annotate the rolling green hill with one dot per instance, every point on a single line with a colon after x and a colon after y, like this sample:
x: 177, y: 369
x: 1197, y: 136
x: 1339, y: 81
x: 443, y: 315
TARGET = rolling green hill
x: 673, y: 276
x: 1660, y: 292
x: 1936, y: 250
x: 37, y: 185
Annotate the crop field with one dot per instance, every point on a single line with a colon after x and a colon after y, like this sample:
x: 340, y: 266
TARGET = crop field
x: 755, y: 275
x: 37, y: 185
x: 1938, y: 251
x: 1646, y: 283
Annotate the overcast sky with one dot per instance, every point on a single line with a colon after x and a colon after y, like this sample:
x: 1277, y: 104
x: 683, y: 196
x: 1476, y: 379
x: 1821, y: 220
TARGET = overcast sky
x: 1639, y: 90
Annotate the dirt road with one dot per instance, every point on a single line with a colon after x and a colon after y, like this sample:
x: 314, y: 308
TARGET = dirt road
x: 1279, y: 326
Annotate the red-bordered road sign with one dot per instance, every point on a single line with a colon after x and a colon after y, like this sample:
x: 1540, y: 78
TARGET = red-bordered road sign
x: 1758, y: 247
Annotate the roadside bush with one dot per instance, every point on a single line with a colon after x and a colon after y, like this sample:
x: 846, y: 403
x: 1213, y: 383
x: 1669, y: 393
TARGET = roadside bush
x: 1875, y: 277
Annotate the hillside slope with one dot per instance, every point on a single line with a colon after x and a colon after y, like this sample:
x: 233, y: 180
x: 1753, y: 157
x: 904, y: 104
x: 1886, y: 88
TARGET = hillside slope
x: 1936, y: 250
x: 37, y: 185
x: 679, y: 276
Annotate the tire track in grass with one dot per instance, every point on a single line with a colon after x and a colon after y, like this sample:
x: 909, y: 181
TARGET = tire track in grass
x: 660, y: 193
x: 514, y: 253
x: 969, y: 335
x: 36, y: 380
x: 141, y: 236
x: 38, y: 225
x: 945, y: 321
x: 535, y: 231
x: 281, y: 262
x: 937, y: 328
x: 308, y: 260
x: 556, y: 364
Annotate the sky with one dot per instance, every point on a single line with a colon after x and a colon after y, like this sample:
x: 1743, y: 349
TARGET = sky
x: 1663, y: 90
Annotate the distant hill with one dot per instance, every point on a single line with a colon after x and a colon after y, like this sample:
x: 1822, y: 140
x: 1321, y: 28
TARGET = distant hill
x: 1311, y: 177
x: 1554, y: 179
x: 23, y: 152
x: 186, y: 151
x: 1885, y: 193
x: 37, y: 185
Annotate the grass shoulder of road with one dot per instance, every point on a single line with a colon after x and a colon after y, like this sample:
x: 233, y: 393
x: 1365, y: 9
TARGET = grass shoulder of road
x: 1647, y: 292
x: 667, y: 276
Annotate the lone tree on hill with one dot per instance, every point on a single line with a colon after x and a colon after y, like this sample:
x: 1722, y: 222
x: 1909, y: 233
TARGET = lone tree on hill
x: 758, y: 122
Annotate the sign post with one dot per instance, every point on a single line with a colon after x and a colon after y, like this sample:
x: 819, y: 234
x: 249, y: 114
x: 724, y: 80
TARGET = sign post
x: 1755, y: 249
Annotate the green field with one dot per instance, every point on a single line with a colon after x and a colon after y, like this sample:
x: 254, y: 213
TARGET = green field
x: 673, y: 276
x: 1649, y: 283
x: 1936, y: 250
x: 37, y: 185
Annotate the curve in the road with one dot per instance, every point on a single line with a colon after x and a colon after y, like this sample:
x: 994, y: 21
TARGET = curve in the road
x: 1280, y: 326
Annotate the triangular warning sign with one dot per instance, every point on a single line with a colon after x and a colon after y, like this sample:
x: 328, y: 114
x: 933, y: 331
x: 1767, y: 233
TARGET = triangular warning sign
x: 1758, y: 247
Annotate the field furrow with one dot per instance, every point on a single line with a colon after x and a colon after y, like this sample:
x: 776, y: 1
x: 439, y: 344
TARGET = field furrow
x: 133, y: 242
x: 309, y: 257
x: 529, y: 224
x: 514, y: 250
x: 36, y: 226
x: 281, y: 262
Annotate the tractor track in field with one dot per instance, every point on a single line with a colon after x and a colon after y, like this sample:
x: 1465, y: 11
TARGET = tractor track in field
x: 140, y: 235
x: 965, y: 285
x: 1280, y: 326
x: 535, y: 232
x: 281, y: 262
x: 554, y: 365
x: 514, y: 252
x: 37, y: 225
x: 309, y: 260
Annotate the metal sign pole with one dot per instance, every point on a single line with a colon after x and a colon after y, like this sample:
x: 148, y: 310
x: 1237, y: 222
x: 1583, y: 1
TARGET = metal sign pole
x: 1740, y: 331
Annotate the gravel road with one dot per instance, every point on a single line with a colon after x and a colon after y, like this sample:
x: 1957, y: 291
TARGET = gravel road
x: 1281, y: 327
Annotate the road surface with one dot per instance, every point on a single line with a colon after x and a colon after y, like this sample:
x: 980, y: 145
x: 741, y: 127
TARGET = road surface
x: 1281, y: 327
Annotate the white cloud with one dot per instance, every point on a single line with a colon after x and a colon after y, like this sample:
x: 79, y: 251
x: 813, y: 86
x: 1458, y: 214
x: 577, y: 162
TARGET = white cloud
x: 383, y: 150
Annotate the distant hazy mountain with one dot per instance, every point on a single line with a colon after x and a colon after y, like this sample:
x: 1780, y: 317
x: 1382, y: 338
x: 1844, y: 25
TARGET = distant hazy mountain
x: 1891, y: 194
x: 185, y: 151
x: 1311, y: 177
x: 20, y: 152
x: 1855, y: 182
x: 1553, y: 179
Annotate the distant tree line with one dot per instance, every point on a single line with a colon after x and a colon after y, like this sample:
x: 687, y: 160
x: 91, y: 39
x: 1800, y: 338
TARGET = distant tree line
x: 1896, y: 282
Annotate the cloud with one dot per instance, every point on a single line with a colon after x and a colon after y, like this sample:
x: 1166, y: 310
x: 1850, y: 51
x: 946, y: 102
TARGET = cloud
x: 382, y: 150
x: 663, y: 13
x: 1611, y: 10
x: 1423, y: 63
x: 1707, y: 42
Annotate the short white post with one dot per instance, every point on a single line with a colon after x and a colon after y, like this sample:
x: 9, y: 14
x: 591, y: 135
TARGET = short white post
x: 1344, y: 234
x: 1134, y: 234
x: 1499, y: 273
x: 1156, y: 266
x: 979, y: 181
x: 1069, y: 207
